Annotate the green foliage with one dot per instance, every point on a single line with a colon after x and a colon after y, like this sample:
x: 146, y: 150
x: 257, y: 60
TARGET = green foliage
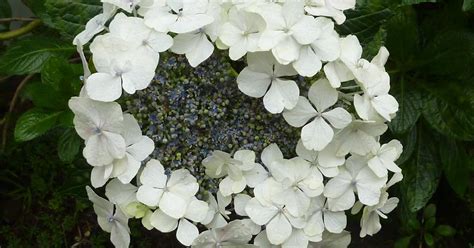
x: 468, y: 5
x: 28, y: 55
x: 5, y: 12
x: 34, y: 123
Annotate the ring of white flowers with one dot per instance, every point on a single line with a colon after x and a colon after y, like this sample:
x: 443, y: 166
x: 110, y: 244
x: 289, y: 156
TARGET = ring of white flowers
x: 290, y: 200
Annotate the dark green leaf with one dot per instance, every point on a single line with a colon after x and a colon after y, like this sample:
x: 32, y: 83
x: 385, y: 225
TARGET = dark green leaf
x: 29, y: 55
x: 408, y: 141
x: 422, y: 174
x: 430, y: 223
x: 403, y: 242
x: 445, y: 230
x: 365, y: 21
x: 67, y: 16
x: 468, y: 5
x: 403, y: 37
x: 429, y: 211
x: 68, y: 145
x: 429, y: 240
x: 409, y: 110
x: 62, y: 76
x: 44, y: 96
x: 410, y: 2
x: 451, y: 119
x: 34, y: 123
x: 65, y: 119
x: 455, y: 163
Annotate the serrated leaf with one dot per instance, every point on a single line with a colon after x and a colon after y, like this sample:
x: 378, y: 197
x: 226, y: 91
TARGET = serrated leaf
x: 29, y: 55
x: 68, y: 16
x: 422, y: 174
x: 365, y: 21
x: 44, y: 96
x: 455, y: 163
x: 468, y: 5
x: 410, y: 105
x: 450, y: 119
x: 68, y: 145
x: 402, y: 36
x: 64, y: 77
x: 34, y: 123
x: 408, y: 141
x: 411, y: 2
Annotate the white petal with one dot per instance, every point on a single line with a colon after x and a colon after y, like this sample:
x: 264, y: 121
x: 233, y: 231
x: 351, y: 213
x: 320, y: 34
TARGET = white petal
x: 104, y: 87
x: 335, y: 222
x: 120, y: 235
x: 386, y: 106
x: 99, y: 176
x: 338, y: 117
x: 197, y: 210
x: 173, y: 205
x: 308, y: 63
x: 149, y: 195
x: 153, y: 174
x: 300, y: 114
x: 270, y: 154
x: 337, y: 72
x: 287, y: 50
x: 282, y: 94
x: 258, y: 213
x: 163, y: 222
x: 240, y: 201
x: 278, y: 229
x: 322, y: 95
x: 254, y: 84
x: 317, y: 134
x: 187, y: 232
x: 306, y: 30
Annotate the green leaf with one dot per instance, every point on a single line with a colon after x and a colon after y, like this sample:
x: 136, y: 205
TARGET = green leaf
x: 409, y: 111
x: 430, y: 223
x: 422, y: 174
x: 67, y: 16
x: 455, y: 163
x: 429, y: 240
x: 44, y: 96
x: 5, y: 12
x: 429, y: 211
x: 64, y: 77
x: 34, y: 123
x: 468, y: 5
x: 365, y: 21
x: 403, y: 37
x: 408, y: 141
x: 29, y: 55
x: 68, y: 145
x: 411, y: 2
x: 403, y: 242
x: 452, y: 120
x: 445, y: 230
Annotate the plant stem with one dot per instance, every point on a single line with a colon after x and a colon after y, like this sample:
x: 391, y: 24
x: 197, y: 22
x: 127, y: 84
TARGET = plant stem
x: 20, y: 31
x: 11, y: 108
x: 17, y: 19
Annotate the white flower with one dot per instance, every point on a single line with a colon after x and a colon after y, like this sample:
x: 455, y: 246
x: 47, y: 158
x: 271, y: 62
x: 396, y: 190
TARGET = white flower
x: 125, y: 169
x: 375, y: 83
x: 370, y: 221
x: 325, y: 160
x: 333, y: 240
x: 300, y: 182
x: 217, y: 214
x: 287, y: 29
x: 95, y: 25
x: 121, y: 194
x: 263, y: 77
x: 242, y: 32
x: 324, y: 48
x: 100, y: 125
x: 127, y: 5
x: 342, y: 69
x: 263, y: 210
x: 384, y: 158
x: 320, y: 217
x: 239, y: 171
x: 330, y: 8
x: 187, y: 232
x: 355, y: 176
x: 170, y: 194
x: 235, y: 234
x: 296, y: 239
x: 110, y: 219
x: 360, y: 137
x: 195, y: 45
x: 317, y: 134
x: 179, y: 16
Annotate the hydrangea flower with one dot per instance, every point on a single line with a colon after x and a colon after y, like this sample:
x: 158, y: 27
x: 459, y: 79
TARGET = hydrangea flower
x: 111, y: 219
x: 238, y: 172
x: 170, y: 194
x: 100, y: 125
x: 318, y: 133
x: 326, y: 160
x: 330, y: 8
x: 217, y: 215
x: 264, y: 77
x: 384, y: 158
x: 95, y: 25
x: 237, y: 233
x: 321, y: 218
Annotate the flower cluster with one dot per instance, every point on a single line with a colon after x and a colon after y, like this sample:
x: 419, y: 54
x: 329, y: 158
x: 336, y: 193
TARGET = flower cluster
x: 296, y: 201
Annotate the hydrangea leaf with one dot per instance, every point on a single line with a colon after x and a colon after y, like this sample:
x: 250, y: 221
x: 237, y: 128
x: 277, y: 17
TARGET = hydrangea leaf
x: 408, y: 113
x: 411, y: 2
x: 468, y: 5
x: 455, y: 165
x: 34, y: 123
x: 68, y: 145
x: 30, y: 54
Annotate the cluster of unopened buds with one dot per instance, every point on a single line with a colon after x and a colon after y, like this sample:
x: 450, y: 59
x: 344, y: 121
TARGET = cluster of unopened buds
x: 270, y: 201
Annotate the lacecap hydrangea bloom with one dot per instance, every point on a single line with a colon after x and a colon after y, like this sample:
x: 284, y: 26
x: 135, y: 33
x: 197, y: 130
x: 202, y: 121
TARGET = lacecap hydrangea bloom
x: 288, y: 187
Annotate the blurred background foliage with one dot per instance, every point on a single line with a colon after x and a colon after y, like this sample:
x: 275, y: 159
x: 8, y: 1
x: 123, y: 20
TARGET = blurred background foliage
x: 42, y: 175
